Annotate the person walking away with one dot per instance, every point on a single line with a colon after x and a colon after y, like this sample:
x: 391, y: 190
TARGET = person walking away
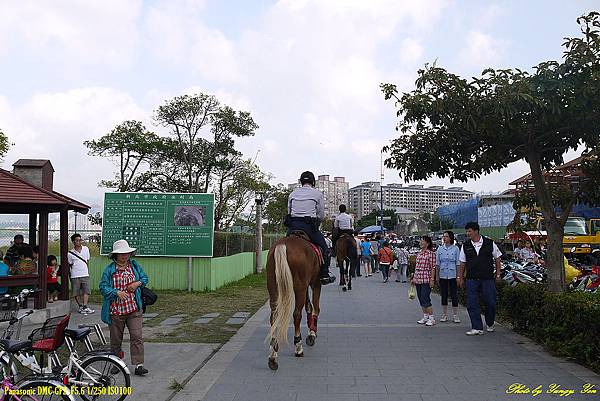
x: 386, y: 257
x: 121, y: 287
x: 52, y: 274
x: 447, y: 262
x: 424, y: 277
x: 374, y: 254
x: 479, y: 264
x: 366, y: 257
x: 402, y: 259
x: 78, y: 259
x: 358, y: 252
x: 306, y: 209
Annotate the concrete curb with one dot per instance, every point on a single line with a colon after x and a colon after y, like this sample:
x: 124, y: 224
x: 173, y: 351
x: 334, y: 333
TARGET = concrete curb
x: 198, y: 386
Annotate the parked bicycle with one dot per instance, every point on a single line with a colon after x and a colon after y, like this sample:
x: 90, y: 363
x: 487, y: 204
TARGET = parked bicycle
x: 32, y: 387
x: 95, y: 375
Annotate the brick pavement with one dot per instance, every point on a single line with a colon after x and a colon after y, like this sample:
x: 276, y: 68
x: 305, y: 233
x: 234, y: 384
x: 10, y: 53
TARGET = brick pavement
x: 371, y: 349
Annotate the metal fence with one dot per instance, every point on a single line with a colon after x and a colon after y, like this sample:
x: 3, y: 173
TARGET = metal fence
x: 225, y: 243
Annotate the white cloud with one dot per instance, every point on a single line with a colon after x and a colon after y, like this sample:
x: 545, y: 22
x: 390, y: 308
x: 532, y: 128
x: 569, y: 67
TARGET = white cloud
x: 482, y: 50
x: 71, y: 31
x: 176, y: 35
x: 54, y: 125
x: 410, y: 50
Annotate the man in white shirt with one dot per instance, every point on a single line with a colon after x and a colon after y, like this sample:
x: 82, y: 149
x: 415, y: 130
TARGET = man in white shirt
x: 343, y: 224
x: 78, y: 259
x: 480, y: 258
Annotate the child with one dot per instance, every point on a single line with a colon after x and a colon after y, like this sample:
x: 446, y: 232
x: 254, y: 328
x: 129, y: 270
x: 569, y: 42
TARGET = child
x: 53, y: 284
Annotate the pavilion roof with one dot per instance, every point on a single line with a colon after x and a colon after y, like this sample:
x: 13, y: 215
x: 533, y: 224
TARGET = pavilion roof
x: 19, y: 196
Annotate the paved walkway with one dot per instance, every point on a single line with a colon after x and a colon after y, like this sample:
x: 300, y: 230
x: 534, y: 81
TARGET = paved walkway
x: 371, y: 349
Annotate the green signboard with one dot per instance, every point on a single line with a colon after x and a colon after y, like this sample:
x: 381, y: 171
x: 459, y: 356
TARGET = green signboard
x: 159, y: 224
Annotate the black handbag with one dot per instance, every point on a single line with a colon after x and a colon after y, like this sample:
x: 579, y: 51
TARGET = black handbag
x: 149, y: 297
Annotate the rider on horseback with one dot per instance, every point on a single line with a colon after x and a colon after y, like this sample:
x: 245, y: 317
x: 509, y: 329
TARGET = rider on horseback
x: 343, y: 224
x: 306, y: 210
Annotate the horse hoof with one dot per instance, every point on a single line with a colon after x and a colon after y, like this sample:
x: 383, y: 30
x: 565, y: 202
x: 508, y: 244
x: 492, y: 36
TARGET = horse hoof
x: 344, y: 288
x: 300, y: 355
x: 310, y: 341
x: 273, y: 365
x: 349, y: 288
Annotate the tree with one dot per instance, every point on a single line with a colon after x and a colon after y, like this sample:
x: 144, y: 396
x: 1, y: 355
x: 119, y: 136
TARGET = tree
x: 461, y: 129
x: 95, y: 218
x: 327, y: 225
x: 235, y: 185
x: 371, y: 218
x: 191, y: 120
x: 5, y: 144
x: 439, y: 224
x: 132, y: 148
x: 276, y: 207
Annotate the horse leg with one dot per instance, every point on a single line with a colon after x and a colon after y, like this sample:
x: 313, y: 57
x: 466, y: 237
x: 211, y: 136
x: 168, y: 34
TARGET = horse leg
x: 273, y: 346
x: 314, y: 316
x: 300, y: 300
x: 351, y: 273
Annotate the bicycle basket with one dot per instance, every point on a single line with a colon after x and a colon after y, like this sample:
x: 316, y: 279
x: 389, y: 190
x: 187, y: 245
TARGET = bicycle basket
x: 51, y: 335
x: 8, y: 309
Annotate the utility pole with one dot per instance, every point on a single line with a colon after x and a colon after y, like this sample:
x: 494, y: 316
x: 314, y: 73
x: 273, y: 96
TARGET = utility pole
x: 381, y: 189
x: 259, y: 201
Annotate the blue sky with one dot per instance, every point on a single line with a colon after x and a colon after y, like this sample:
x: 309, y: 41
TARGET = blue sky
x: 308, y: 70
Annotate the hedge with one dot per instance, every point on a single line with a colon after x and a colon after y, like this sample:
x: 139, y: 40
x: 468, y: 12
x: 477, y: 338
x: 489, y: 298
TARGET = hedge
x: 567, y: 324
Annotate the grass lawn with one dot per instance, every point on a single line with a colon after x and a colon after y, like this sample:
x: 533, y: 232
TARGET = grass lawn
x: 246, y: 295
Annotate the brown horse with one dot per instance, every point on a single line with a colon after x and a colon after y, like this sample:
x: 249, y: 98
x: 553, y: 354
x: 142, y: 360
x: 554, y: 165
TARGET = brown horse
x: 292, y: 267
x: 345, y: 253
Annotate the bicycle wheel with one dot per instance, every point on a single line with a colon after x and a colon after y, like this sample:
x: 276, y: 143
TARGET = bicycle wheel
x: 41, y: 390
x: 114, y: 381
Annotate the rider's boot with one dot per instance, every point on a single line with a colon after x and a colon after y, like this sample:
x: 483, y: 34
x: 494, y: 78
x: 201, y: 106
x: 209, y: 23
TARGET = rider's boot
x: 326, y: 277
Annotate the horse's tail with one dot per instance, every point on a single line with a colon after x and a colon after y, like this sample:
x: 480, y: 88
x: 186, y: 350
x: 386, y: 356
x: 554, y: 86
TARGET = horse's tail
x: 285, y: 296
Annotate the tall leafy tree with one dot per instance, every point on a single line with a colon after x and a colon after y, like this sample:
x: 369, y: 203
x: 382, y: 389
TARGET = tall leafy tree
x: 235, y: 185
x: 372, y: 219
x: 461, y: 129
x: 4, y: 144
x: 276, y: 207
x: 204, y: 133
x: 438, y: 224
x: 133, y: 149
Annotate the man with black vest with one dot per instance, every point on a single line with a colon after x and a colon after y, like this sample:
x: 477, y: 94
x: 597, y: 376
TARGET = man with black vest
x: 480, y: 257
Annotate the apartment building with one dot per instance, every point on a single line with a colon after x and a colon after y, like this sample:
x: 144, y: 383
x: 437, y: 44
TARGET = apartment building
x: 335, y: 193
x: 367, y: 196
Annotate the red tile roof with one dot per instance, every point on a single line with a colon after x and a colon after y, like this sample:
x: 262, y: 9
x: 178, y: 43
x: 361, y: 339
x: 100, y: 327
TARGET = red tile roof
x: 16, y: 191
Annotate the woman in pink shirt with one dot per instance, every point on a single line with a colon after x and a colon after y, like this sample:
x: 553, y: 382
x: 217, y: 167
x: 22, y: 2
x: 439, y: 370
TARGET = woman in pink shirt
x: 424, y: 278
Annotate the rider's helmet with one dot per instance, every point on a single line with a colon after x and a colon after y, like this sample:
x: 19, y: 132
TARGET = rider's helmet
x: 307, y: 178
x: 342, y: 208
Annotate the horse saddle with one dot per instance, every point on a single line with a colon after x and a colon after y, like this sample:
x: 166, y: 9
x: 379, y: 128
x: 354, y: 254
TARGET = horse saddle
x: 304, y: 236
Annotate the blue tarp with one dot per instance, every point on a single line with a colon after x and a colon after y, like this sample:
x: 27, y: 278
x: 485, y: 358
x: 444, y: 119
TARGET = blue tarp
x: 585, y: 211
x: 460, y: 213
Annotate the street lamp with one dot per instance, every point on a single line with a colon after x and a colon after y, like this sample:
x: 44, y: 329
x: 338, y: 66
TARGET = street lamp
x: 258, y: 199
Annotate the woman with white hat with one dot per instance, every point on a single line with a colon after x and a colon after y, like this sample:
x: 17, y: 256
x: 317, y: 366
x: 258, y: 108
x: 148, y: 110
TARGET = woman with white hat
x: 120, y: 286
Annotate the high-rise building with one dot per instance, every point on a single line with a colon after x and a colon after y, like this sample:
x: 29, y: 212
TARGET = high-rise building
x: 334, y: 192
x: 364, y: 198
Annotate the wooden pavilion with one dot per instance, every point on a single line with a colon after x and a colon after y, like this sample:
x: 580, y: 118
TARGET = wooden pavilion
x: 28, y: 190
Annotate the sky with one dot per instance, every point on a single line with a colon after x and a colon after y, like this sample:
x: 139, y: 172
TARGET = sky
x: 307, y: 70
